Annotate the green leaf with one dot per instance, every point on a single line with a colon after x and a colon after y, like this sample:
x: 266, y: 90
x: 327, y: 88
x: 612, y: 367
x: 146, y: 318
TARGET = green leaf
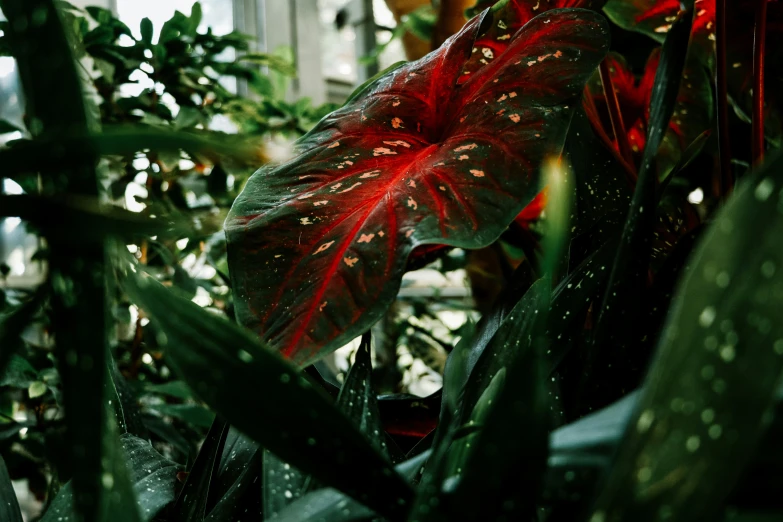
x: 196, y: 15
x: 503, y: 471
x: 124, y: 403
x: 9, y: 505
x: 55, y: 152
x: 58, y: 217
x: 193, y: 414
x: 461, y: 448
x: 310, y: 433
x: 36, y: 389
x: 177, y: 389
x: 152, y: 476
x: 700, y: 417
x: 12, y: 325
x: 688, y: 155
x: 619, y: 314
x: 19, y: 373
x: 283, y: 484
x: 6, y: 127
x: 358, y: 400
x: 331, y: 505
x: 191, y: 504
x: 235, y: 491
x: 188, y: 117
x: 146, y: 30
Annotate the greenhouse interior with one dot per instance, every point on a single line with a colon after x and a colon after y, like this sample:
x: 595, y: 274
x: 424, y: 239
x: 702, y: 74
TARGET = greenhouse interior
x: 391, y: 260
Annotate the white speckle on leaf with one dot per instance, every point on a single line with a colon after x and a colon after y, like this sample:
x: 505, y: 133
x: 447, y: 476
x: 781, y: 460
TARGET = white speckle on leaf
x: 477, y: 173
x: 366, y: 238
x: 351, y: 187
x: 324, y: 247
x: 398, y: 143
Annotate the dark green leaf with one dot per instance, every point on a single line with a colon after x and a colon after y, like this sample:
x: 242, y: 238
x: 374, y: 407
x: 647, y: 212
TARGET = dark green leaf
x: 6, y: 127
x: 12, y: 325
x: 700, y: 417
x: 153, y: 479
x: 310, y: 433
x: 283, y: 484
x: 236, y: 489
x: 123, y: 402
x: 55, y: 152
x: 191, y: 504
x: 193, y: 414
x: 688, y: 155
x: 331, y: 505
x: 19, y: 373
x: 358, y: 399
x: 58, y: 217
x: 177, y: 389
x: 502, y: 474
x: 619, y: 314
x: 9, y: 506
x: 146, y: 29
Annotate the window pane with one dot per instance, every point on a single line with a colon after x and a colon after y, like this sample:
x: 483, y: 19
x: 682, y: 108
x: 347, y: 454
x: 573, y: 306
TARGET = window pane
x: 393, y: 52
x: 218, y: 14
x: 339, y: 46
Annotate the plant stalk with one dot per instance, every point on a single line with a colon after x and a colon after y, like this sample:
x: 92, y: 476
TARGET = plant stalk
x: 759, y: 37
x: 615, y: 115
x: 721, y: 89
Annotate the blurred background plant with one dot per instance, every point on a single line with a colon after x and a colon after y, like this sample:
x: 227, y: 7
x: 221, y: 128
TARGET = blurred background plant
x: 176, y: 77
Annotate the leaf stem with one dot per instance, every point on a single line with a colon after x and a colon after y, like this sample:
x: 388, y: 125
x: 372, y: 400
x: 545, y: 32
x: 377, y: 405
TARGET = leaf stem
x: 615, y: 115
x: 759, y: 36
x: 721, y: 89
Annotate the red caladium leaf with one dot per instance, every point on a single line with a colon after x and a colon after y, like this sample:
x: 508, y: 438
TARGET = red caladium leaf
x: 654, y: 18
x: 508, y: 17
x: 317, y: 246
x: 692, y: 115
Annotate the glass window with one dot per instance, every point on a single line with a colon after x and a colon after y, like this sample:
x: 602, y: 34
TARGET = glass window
x: 218, y: 14
x: 339, y: 56
x: 393, y: 51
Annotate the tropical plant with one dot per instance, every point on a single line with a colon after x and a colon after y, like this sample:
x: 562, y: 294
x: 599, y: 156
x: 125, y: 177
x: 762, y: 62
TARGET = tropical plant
x: 629, y: 370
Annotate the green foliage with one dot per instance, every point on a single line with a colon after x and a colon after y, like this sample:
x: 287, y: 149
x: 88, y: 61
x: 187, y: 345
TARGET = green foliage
x: 630, y: 368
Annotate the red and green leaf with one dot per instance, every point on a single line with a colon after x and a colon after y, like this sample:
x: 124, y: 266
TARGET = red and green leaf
x: 508, y: 16
x: 318, y: 246
x: 692, y: 115
x: 655, y: 17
